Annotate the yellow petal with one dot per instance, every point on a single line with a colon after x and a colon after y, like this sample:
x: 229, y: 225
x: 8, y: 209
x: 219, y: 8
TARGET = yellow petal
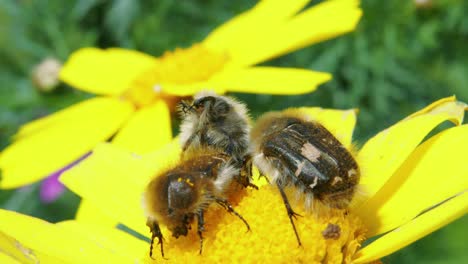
x: 269, y: 80
x: 339, y: 122
x: 36, y: 238
x: 261, y: 17
x: 120, y: 199
x: 64, y: 114
x: 443, y: 105
x: 383, y: 154
x: 435, y: 171
x: 88, y: 213
x: 4, y: 258
x: 54, y: 146
x: 111, y: 239
x: 169, y: 154
x: 147, y: 130
x: 318, y: 23
x: 20, y: 253
x: 12, y: 251
x: 189, y: 89
x: 107, y: 72
x: 414, y: 230
x: 118, y: 181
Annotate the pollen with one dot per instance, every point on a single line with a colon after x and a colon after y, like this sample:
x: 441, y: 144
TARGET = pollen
x: 181, y: 66
x: 331, y: 238
x: 189, y: 182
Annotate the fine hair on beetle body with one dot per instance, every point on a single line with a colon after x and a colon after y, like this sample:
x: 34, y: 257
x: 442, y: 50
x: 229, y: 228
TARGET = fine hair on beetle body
x: 221, y: 123
x: 182, y: 193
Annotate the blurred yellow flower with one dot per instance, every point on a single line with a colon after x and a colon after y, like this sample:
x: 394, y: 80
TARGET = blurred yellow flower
x: 135, y: 88
x: 399, y: 174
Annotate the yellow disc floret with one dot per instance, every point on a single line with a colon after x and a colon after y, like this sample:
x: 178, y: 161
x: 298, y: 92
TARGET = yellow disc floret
x: 181, y: 66
x: 326, y: 238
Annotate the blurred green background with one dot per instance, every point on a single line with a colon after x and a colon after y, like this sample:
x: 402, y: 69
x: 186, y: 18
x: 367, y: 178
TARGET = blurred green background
x: 403, y: 55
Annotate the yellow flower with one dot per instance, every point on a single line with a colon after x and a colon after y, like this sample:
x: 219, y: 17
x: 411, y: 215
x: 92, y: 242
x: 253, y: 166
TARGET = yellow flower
x: 411, y: 189
x: 134, y: 88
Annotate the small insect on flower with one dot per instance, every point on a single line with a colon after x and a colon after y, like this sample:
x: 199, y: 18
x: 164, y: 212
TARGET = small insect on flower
x: 303, y: 155
x: 182, y: 193
x: 218, y: 122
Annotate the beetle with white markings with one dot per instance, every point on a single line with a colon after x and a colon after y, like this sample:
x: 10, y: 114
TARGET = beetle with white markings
x: 301, y: 154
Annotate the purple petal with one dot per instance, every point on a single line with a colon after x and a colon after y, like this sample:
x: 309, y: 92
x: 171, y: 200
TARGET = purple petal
x: 51, y: 188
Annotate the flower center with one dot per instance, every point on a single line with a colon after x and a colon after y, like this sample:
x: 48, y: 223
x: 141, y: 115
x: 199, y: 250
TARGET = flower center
x: 327, y: 236
x: 181, y: 66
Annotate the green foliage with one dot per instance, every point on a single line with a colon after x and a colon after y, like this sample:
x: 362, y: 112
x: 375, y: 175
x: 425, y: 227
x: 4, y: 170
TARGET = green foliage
x: 400, y: 58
